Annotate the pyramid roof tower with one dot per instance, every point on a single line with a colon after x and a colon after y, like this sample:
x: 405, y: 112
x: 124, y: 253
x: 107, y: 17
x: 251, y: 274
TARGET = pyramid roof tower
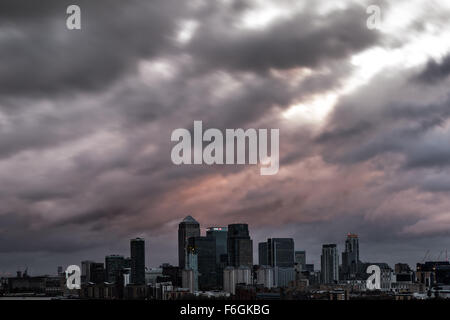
x: 189, y: 219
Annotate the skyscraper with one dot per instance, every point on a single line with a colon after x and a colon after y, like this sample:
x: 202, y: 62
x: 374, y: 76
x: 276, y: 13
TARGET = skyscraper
x: 300, y: 259
x: 220, y: 235
x: 263, y: 252
x: 187, y: 228
x: 137, y: 247
x: 113, y: 267
x: 350, y: 257
x: 329, y: 264
x: 239, y: 246
x: 277, y: 252
x: 205, y: 248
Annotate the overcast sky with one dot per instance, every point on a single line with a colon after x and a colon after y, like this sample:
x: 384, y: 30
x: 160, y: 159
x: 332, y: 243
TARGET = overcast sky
x: 86, y: 118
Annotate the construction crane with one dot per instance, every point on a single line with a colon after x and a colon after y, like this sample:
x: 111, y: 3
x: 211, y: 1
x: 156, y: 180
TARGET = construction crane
x: 426, y: 255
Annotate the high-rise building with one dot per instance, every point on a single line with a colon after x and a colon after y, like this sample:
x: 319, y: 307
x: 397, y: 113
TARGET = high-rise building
x: 350, y: 257
x: 137, y: 247
x: 220, y: 235
x: 190, y: 272
x: 263, y: 254
x: 86, y: 271
x: 97, y: 272
x: 113, y: 266
x: 205, y: 248
x: 277, y: 252
x: 329, y: 264
x: 187, y: 228
x: 300, y: 259
x: 239, y: 246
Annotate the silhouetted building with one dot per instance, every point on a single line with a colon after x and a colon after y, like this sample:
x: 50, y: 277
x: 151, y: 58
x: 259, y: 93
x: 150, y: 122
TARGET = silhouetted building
x: 350, y: 257
x: 426, y: 272
x: 173, y: 273
x: 329, y: 264
x: 187, y: 228
x: 277, y: 252
x: 240, y: 246
x: 220, y: 235
x: 97, y: 272
x: 137, y: 247
x: 113, y: 266
x: 263, y: 251
x: 205, y: 248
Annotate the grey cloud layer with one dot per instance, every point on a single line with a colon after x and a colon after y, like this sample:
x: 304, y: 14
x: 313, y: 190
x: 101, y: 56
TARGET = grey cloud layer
x: 86, y: 118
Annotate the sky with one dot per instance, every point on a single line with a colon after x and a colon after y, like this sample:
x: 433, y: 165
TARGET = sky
x: 86, y: 118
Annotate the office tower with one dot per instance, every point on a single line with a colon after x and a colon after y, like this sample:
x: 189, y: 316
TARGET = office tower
x: 350, y: 257
x: 137, y: 248
x: 281, y: 252
x: 113, y: 266
x: 277, y: 252
x: 220, y: 235
x: 97, y: 272
x: 190, y: 273
x: 240, y: 246
x: 86, y: 271
x: 300, y: 259
x: 263, y: 254
x: 187, y: 228
x: 329, y: 264
x: 205, y: 248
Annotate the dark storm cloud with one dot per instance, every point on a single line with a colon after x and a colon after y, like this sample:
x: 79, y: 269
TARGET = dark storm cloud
x: 301, y: 41
x: 39, y: 56
x: 435, y: 71
x: 86, y: 118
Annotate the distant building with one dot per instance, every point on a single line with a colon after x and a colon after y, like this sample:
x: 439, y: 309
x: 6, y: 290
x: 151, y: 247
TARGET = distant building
x: 309, y: 267
x: 113, y: 266
x: 187, y: 228
x: 239, y: 246
x: 350, y: 257
x: 283, y: 276
x: 190, y: 273
x: 329, y: 264
x: 137, y: 247
x: 97, y: 272
x: 173, y: 273
x: 205, y: 248
x: 300, y: 259
x: 152, y: 275
x: 220, y: 236
x: 263, y: 252
x: 233, y: 276
x: 265, y: 276
x: 426, y: 272
x: 86, y: 271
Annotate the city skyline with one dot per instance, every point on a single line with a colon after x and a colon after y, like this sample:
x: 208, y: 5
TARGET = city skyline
x: 340, y: 247
x: 86, y: 118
